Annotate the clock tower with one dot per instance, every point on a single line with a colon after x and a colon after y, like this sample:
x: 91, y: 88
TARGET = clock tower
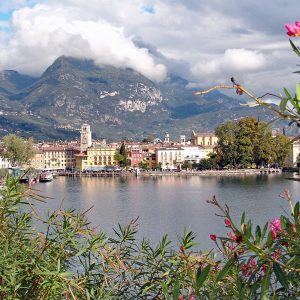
x: 85, y: 137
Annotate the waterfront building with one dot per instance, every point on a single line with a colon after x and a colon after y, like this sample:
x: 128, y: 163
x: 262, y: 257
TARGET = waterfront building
x: 294, y: 154
x: 37, y: 162
x: 204, y: 139
x: 96, y: 158
x: 101, y: 156
x: 85, y: 137
x: 134, y: 155
x: 194, y: 153
x: 54, y: 157
x: 70, y: 153
x: 4, y: 163
x: 81, y: 161
x: 169, y: 157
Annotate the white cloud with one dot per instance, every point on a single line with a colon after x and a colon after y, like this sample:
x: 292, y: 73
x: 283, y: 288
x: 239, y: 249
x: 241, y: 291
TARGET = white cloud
x: 233, y: 60
x: 215, y: 39
x: 43, y: 33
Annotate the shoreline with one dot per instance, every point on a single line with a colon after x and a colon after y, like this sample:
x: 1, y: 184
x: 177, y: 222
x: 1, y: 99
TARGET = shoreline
x: 233, y: 172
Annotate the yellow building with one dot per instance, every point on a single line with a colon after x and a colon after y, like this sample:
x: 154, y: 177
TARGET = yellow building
x: 37, y: 162
x: 101, y: 156
x: 96, y: 157
x: 204, y: 139
x: 54, y: 158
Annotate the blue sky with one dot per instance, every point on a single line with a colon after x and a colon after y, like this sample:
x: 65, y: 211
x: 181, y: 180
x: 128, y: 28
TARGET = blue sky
x: 205, y: 41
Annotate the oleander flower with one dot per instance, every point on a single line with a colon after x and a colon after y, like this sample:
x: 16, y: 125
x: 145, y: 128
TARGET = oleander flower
x: 293, y: 30
x: 227, y: 222
x: 213, y: 237
x: 275, y: 227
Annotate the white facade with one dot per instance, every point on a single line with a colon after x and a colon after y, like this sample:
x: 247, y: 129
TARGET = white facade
x: 85, y: 137
x: 295, y: 153
x: 195, y: 154
x: 4, y: 163
x: 169, y: 158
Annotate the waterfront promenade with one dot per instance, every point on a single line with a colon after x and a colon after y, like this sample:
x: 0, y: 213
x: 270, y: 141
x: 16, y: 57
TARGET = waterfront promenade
x: 173, y: 173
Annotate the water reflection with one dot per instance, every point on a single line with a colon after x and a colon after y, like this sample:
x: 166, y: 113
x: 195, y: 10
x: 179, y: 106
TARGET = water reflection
x: 171, y: 203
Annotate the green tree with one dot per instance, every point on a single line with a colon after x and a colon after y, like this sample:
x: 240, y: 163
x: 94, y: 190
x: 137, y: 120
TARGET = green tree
x: 248, y: 141
x: 282, y: 149
x: 119, y: 158
x: 123, y: 153
x: 17, y: 150
x: 227, y: 145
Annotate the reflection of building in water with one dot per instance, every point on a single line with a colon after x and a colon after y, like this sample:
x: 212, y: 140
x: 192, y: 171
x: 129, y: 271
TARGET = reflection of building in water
x: 85, y: 137
x: 96, y: 183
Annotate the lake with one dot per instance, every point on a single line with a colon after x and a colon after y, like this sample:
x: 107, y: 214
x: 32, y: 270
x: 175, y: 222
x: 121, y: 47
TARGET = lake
x: 169, y: 204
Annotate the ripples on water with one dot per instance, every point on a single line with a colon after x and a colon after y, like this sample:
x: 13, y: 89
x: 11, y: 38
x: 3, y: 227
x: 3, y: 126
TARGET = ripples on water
x: 171, y: 203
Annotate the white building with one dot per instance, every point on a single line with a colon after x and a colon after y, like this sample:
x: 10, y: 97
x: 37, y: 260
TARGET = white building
x: 295, y: 153
x: 4, y: 163
x: 85, y: 137
x: 169, y: 157
x: 194, y: 153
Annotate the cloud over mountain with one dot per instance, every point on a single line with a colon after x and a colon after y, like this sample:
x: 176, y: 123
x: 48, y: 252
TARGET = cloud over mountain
x: 204, y: 41
x: 44, y: 32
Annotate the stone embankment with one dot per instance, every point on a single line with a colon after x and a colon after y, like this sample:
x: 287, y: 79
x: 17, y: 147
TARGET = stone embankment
x: 174, y: 173
x: 214, y: 172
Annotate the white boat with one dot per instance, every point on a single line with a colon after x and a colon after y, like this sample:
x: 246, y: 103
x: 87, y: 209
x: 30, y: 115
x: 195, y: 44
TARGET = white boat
x: 46, y: 177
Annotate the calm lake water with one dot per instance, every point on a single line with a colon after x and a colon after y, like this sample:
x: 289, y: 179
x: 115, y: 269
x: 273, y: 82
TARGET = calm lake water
x: 171, y: 203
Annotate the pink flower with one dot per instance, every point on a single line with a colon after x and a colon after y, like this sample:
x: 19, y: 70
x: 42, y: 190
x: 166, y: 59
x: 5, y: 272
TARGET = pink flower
x: 232, y: 236
x: 227, y: 222
x: 192, y: 297
x: 293, y: 30
x: 264, y: 268
x: 275, y: 227
x: 180, y: 297
x: 213, y: 237
x: 277, y: 254
x: 252, y: 262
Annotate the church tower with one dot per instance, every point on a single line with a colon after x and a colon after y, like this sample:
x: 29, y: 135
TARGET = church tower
x: 85, y: 137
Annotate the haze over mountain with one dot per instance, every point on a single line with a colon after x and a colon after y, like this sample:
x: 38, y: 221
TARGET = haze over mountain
x: 116, y: 102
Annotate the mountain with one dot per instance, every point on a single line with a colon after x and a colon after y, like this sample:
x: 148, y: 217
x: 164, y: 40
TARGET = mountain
x: 116, y: 102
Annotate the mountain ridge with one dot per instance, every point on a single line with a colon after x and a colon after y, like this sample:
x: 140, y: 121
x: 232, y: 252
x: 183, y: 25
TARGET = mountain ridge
x: 116, y: 102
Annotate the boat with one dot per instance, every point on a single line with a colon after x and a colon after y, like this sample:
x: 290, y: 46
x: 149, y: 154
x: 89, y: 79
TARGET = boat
x: 46, y: 177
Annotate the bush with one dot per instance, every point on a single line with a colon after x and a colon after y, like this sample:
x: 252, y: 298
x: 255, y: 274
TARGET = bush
x: 69, y: 260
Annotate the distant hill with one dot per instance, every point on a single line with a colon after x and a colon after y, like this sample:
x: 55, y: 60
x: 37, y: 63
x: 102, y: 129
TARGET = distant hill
x: 117, y: 103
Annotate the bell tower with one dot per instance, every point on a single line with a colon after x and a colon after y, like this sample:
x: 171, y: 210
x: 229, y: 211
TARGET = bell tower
x: 85, y: 137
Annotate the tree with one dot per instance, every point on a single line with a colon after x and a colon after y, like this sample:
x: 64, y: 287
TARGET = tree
x: 282, y: 149
x: 123, y: 153
x: 119, y: 158
x: 227, y: 147
x: 247, y: 141
x: 17, y: 150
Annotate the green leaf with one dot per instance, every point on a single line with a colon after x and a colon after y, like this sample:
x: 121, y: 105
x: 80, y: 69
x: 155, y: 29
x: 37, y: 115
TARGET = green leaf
x: 265, y: 284
x: 202, y: 275
x: 280, y: 275
x: 295, y: 48
x: 165, y: 291
x: 176, y: 290
x: 296, y: 212
x: 225, y: 269
x: 298, y: 91
x: 283, y: 104
x: 243, y: 219
x: 288, y: 95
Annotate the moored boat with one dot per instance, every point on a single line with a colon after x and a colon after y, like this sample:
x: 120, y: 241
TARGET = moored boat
x: 46, y: 177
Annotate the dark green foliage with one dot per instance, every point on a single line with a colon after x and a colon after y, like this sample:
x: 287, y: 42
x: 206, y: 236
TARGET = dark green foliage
x: 248, y: 141
x: 17, y: 150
